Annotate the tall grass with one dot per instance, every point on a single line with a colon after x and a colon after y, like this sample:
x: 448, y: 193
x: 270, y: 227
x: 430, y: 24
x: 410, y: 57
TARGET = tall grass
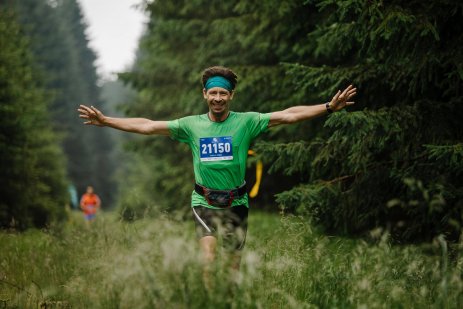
x: 154, y: 263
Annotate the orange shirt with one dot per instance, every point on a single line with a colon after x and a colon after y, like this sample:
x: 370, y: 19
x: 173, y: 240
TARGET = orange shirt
x: 90, y: 202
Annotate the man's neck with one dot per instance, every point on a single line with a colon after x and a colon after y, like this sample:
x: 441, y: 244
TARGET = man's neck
x: 218, y: 118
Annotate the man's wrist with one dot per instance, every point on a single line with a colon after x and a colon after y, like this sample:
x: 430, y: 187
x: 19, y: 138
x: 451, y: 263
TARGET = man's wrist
x: 328, y: 108
x: 105, y: 121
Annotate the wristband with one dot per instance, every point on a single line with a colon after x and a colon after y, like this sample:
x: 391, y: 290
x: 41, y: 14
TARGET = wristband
x: 328, y: 108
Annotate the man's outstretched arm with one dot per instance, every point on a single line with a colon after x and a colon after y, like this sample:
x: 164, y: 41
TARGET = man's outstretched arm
x: 135, y: 125
x: 299, y: 113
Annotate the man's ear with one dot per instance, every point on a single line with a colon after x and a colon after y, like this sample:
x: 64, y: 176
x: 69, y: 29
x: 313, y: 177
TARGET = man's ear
x: 231, y: 94
x: 204, y: 93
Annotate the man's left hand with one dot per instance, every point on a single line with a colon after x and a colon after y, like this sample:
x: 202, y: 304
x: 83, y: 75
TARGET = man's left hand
x: 341, y: 99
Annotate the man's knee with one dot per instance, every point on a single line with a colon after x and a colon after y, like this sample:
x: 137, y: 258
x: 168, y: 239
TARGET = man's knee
x: 208, y: 246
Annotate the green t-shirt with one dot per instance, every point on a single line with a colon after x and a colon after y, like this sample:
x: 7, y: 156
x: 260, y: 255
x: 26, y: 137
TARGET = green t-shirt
x: 219, y: 149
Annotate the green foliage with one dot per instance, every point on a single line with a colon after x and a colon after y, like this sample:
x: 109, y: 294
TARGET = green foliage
x: 155, y: 263
x: 32, y: 170
x: 397, y: 161
x: 449, y: 157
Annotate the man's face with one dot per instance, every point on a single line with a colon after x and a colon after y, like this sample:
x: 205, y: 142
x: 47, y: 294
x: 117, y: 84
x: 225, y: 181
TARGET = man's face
x: 218, y: 99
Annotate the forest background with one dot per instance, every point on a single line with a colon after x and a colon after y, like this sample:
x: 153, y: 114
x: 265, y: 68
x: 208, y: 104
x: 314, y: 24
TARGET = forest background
x: 392, y: 161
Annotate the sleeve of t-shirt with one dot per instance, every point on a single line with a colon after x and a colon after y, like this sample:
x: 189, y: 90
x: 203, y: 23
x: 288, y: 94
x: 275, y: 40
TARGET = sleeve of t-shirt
x: 258, y: 123
x: 178, y: 130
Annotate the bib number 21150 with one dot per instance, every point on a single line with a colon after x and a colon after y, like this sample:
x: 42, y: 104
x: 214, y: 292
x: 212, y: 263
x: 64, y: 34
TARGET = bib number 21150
x: 216, y: 148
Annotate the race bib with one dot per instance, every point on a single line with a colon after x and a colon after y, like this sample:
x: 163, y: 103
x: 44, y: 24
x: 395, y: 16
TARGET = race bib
x: 216, y: 148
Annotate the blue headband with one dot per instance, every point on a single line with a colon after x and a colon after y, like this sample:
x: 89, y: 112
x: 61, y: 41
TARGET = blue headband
x: 218, y: 81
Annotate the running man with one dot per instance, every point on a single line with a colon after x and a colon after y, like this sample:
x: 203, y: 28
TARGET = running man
x: 219, y: 141
x: 90, y: 203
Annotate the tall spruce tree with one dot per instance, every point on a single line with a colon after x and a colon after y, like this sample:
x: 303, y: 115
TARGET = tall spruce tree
x: 32, y: 170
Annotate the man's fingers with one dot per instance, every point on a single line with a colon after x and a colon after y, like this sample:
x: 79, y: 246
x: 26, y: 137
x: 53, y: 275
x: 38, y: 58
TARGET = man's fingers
x: 82, y: 111
x: 351, y: 95
x: 85, y: 111
x: 336, y: 96
x: 88, y: 110
x: 348, y: 93
x: 95, y: 110
x: 343, y: 94
x: 84, y: 107
x: 84, y: 116
x: 340, y: 99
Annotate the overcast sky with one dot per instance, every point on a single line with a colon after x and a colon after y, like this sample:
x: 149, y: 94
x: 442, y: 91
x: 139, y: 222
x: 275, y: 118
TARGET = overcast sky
x: 114, y: 28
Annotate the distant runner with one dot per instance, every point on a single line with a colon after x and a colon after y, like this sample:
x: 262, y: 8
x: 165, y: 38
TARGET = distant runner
x: 219, y: 141
x: 90, y: 203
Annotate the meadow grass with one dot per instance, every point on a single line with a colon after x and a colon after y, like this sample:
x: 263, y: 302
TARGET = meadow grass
x: 154, y: 263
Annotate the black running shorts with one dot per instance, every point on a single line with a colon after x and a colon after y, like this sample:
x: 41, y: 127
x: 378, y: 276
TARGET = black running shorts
x: 231, y: 224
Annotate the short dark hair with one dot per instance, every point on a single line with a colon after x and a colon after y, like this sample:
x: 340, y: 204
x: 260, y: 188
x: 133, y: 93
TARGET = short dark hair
x: 219, y: 71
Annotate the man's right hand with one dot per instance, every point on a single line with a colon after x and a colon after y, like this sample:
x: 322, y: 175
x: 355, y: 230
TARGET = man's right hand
x: 93, y: 115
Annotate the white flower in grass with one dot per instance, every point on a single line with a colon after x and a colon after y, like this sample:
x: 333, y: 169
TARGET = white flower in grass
x: 397, y: 292
x: 364, y: 284
x: 423, y: 291
x: 252, y: 262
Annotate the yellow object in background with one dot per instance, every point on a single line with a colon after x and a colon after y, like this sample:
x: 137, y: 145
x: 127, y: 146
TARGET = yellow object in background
x: 259, y: 167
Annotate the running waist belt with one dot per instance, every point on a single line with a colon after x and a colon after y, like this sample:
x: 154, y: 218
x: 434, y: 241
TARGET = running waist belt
x: 220, y: 198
